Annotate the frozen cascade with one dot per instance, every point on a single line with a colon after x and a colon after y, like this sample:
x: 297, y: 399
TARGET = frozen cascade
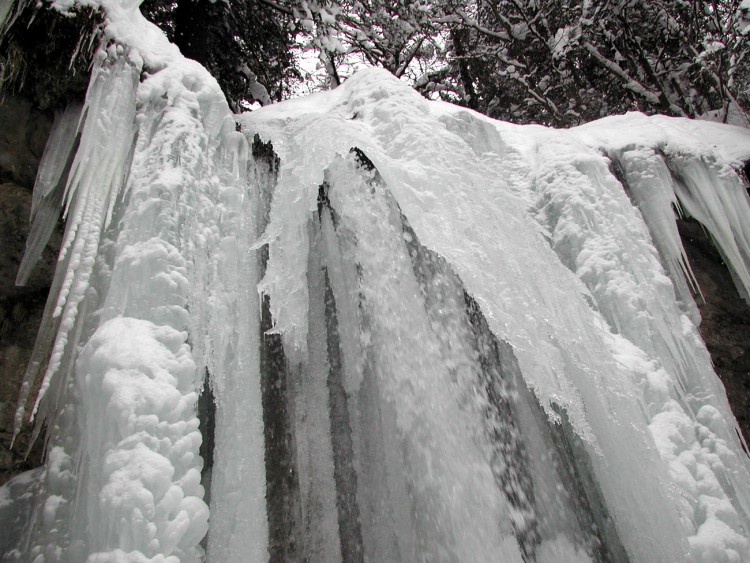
x: 130, y: 332
x: 427, y: 335
x: 643, y: 346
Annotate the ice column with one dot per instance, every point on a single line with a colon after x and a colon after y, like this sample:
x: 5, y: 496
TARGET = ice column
x: 155, y: 287
x: 599, y: 235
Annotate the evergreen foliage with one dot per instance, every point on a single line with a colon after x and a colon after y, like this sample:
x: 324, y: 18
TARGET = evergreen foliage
x: 225, y: 36
x: 555, y: 62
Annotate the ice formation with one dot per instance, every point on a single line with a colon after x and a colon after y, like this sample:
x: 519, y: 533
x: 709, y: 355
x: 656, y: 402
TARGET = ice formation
x: 425, y: 335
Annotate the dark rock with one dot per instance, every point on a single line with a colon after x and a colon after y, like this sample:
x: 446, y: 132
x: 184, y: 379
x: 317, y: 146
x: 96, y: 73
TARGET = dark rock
x: 19, y: 323
x: 21, y: 311
x: 726, y: 319
x: 15, y: 207
x: 23, y: 136
x: 46, y: 55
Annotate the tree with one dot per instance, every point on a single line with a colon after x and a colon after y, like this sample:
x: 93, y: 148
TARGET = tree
x: 555, y: 62
x: 403, y: 37
x: 560, y: 62
x: 244, y: 44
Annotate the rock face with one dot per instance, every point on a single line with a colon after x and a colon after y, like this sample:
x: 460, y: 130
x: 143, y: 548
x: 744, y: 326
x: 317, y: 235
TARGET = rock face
x: 22, y: 139
x: 46, y: 58
x: 726, y: 319
x: 15, y: 208
x: 23, y: 135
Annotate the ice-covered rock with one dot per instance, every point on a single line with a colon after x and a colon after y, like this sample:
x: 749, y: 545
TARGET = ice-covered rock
x: 429, y: 335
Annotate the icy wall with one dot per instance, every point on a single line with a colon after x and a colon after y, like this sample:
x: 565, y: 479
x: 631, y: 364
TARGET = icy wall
x: 425, y: 335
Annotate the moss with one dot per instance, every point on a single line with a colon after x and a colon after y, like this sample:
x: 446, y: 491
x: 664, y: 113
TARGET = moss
x: 46, y: 56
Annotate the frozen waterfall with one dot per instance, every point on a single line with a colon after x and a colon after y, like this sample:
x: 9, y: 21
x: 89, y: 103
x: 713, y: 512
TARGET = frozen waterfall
x: 362, y: 326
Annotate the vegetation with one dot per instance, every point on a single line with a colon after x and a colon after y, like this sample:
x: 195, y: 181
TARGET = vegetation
x: 37, y: 44
x: 556, y: 62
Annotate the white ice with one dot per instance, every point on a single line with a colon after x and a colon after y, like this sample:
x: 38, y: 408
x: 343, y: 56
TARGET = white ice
x: 606, y: 338
x: 131, y: 336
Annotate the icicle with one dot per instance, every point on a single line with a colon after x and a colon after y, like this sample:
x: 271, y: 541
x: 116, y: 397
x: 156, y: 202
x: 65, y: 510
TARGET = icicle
x: 313, y: 423
x: 456, y: 512
x: 452, y: 181
x: 713, y: 193
x: 93, y: 184
x: 599, y: 235
x: 107, y: 136
x: 48, y: 188
x: 59, y: 149
x: 9, y: 12
x: 239, y: 520
x: 472, y: 329
x: 651, y: 183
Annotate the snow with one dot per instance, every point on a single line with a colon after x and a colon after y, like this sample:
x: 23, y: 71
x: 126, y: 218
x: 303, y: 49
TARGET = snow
x: 492, y: 351
x: 136, y: 380
x: 699, y: 138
